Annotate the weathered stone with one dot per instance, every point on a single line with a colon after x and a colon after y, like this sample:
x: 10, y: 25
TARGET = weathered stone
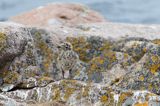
x: 122, y: 71
x: 72, y: 92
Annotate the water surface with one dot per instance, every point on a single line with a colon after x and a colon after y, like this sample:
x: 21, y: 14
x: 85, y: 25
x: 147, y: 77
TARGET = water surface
x: 126, y: 11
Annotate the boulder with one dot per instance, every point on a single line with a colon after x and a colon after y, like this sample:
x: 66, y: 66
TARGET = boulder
x: 59, y: 14
x: 114, y: 67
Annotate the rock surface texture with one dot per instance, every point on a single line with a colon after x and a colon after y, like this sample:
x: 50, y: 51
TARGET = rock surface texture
x: 117, y: 65
x: 122, y: 71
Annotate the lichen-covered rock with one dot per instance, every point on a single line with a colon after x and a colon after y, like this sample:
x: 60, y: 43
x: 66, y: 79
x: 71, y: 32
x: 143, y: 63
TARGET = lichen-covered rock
x: 145, y: 73
x: 72, y: 92
x: 28, y: 59
x: 109, y: 72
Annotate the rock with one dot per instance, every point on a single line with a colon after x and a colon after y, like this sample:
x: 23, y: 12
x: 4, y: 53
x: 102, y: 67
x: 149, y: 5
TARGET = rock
x: 121, y: 71
x: 19, y: 65
x: 59, y: 14
x: 7, y: 87
x: 1, y: 81
x: 72, y: 92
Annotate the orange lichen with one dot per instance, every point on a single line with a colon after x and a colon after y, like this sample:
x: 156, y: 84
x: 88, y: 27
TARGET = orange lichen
x: 142, y: 104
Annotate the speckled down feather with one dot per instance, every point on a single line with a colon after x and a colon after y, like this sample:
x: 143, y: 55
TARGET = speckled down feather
x: 67, y: 60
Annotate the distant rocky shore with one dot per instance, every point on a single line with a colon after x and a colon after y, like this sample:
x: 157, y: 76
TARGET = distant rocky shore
x: 119, y: 64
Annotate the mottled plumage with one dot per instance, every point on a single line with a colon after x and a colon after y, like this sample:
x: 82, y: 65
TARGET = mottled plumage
x: 67, y: 58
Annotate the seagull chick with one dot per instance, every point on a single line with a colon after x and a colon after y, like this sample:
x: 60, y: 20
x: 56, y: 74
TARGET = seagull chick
x: 67, y: 59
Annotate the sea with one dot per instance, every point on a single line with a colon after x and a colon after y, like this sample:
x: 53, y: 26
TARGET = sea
x: 122, y: 11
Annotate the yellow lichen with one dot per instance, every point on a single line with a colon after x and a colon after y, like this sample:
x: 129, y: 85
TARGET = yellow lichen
x: 149, y: 95
x: 126, y: 56
x: 127, y: 62
x: 144, y: 49
x: 3, y: 39
x: 101, y: 63
x: 104, y: 98
x: 56, y: 95
x: 156, y: 41
x: 141, y: 78
x: 107, y: 99
x: 83, y: 47
x: 154, y: 68
x: 68, y: 92
x: 106, y: 46
x: 123, y: 96
x: 45, y: 50
x: 43, y: 78
x: 150, y: 87
x: 155, y: 58
x: 10, y: 77
x: 85, y: 91
x: 80, y: 46
x: 70, y: 86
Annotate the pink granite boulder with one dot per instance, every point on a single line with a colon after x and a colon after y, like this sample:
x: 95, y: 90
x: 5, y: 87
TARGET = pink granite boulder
x: 59, y: 14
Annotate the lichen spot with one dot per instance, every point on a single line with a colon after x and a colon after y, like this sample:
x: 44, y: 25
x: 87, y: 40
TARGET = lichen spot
x: 142, y: 104
x: 104, y: 98
x: 154, y: 68
x: 156, y: 41
x: 3, y: 38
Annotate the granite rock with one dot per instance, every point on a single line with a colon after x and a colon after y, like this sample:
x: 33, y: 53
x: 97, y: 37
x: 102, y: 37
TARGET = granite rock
x: 121, y: 71
x: 67, y: 14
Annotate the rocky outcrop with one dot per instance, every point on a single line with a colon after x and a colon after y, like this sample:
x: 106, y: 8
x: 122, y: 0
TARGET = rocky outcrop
x: 121, y: 71
x: 59, y: 14
x: 77, y: 93
x: 118, y: 64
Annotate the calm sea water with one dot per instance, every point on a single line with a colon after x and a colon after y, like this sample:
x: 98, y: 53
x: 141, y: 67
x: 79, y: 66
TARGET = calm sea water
x: 127, y: 11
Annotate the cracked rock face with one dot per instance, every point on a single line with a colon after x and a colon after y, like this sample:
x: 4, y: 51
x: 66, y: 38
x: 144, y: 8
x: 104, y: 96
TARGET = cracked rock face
x: 122, y: 71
